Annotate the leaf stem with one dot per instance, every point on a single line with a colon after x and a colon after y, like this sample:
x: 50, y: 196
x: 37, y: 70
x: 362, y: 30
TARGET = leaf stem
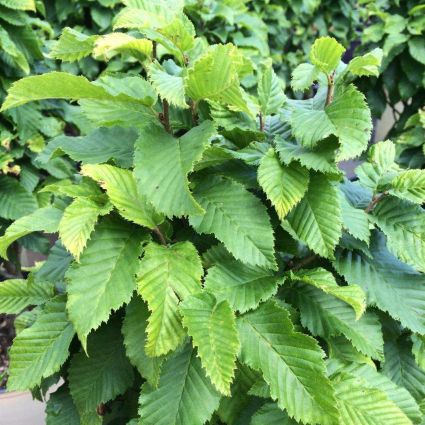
x: 160, y: 235
x: 302, y: 263
x: 260, y: 116
x: 374, y: 201
x: 164, y: 116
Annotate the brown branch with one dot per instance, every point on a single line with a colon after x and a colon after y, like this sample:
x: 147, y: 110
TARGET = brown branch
x: 302, y: 263
x: 194, y: 112
x: 261, y: 121
x: 374, y: 201
x: 160, y: 235
x: 331, y: 87
x: 164, y: 116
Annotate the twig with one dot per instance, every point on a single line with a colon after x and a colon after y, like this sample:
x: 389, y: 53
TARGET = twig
x: 374, y: 201
x: 331, y: 87
x: 164, y: 116
x: 261, y: 121
x: 160, y: 235
x: 194, y: 112
x: 302, y: 263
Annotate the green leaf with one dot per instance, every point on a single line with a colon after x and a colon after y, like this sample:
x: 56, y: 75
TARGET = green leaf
x: 15, y: 200
x: 73, y: 45
x: 243, y: 286
x: 78, y: 222
x: 410, y: 185
x: 369, y: 406
x: 169, y: 87
x: 316, y: 220
x: 17, y: 294
x: 40, y: 350
x: 326, y: 54
x: 389, y: 284
x: 185, y: 396
x: 290, y: 362
x: 418, y: 350
x: 325, y: 281
x: 44, y: 219
x: 212, y: 326
x: 166, y: 276
x: 134, y: 331
x: 59, y: 85
x: 19, y: 4
x: 122, y: 191
x: 101, y: 145
x: 399, y: 395
x: 404, y: 226
x: 238, y: 219
x: 109, y: 45
x: 60, y: 409
x: 401, y: 368
x: 327, y: 316
x: 284, y: 186
x: 162, y: 164
x: 104, y: 374
x: 214, y: 77
x: 354, y: 220
x: 367, y: 64
x: 270, y: 92
x: 270, y: 414
x: 104, y: 279
x: 320, y: 158
x: 303, y: 76
x: 142, y: 14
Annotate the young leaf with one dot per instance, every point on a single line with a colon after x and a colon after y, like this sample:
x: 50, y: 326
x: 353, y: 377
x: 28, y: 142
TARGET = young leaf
x: 104, y: 279
x: 289, y: 361
x: 303, y: 76
x: 40, y: 350
x: 166, y: 276
x: 162, y: 164
x: 410, y: 185
x: 212, y: 326
x: 285, y: 186
x: 185, y: 396
x: 326, y: 53
x: 367, y: 64
x: 238, y: 219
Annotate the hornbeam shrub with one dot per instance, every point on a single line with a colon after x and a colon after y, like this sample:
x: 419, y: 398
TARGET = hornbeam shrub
x: 214, y: 265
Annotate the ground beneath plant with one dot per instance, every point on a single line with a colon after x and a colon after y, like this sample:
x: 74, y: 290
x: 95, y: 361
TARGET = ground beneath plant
x: 6, y: 335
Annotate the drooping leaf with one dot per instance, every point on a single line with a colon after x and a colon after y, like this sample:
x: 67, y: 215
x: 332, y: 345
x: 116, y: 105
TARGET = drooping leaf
x: 389, y: 284
x: 236, y: 218
x: 316, y: 220
x: 290, y: 362
x: 325, y: 281
x: 270, y: 93
x: 78, y: 222
x: 40, y: 350
x: 104, y: 374
x: 44, y: 219
x: 17, y: 294
x: 243, y: 286
x: 284, y: 185
x: 185, y: 396
x: 166, y: 276
x: 360, y: 404
x: 134, y: 332
x: 354, y: 220
x: 162, y: 164
x: 73, y: 45
x: 121, y: 188
x: 212, y: 326
x: 104, y: 279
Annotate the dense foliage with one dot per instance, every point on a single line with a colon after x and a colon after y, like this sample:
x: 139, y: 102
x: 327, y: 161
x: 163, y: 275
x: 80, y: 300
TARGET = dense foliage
x: 214, y: 265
